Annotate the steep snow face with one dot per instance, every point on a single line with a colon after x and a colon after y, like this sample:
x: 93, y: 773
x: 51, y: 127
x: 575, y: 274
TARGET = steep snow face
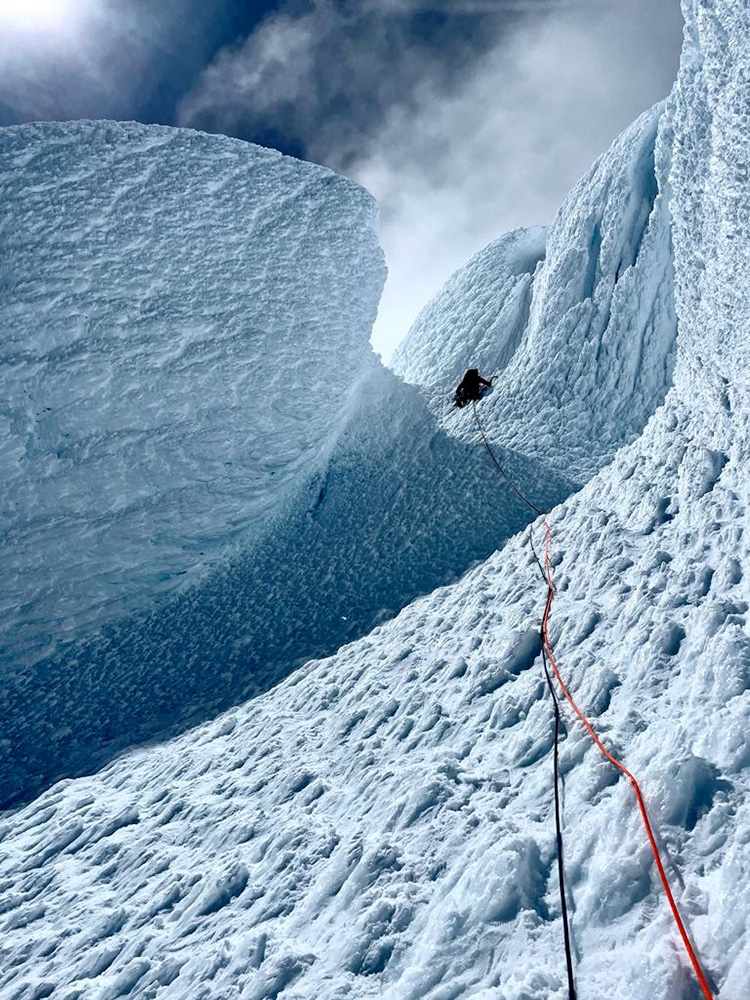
x: 381, y: 824
x: 709, y: 175
x: 478, y: 319
x: 203, y: 452
x: 175, y: 311
x: 580, y: 328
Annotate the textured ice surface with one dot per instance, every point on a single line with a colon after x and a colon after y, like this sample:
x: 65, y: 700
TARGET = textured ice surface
x: 183, y: 318
x: 388, y: 518
x: 580, y: 326
x: 381, y: 823
x: 478, y: 319
x: 203, y: 456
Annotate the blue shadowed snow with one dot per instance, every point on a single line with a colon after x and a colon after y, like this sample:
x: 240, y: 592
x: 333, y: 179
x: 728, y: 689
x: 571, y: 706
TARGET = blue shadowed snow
x: 400, y: 508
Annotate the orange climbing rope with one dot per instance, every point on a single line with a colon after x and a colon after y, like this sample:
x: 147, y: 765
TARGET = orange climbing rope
x: 547, y: 647
x: 620, y: 766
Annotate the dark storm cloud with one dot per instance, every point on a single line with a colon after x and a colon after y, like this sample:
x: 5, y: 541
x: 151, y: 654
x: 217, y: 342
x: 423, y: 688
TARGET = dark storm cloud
x: 326, y: 76
x: 492, y: 7
x: 117, y: 58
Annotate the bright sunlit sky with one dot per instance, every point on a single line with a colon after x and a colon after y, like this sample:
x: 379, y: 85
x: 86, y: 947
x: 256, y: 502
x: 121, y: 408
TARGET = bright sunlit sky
x: 465, y: 118
x: 35, y: 15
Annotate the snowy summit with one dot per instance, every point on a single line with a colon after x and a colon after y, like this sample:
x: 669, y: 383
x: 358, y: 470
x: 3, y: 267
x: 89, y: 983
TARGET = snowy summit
x: 273, y: 708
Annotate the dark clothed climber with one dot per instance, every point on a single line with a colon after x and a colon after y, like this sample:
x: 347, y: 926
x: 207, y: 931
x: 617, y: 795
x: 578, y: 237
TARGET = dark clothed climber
x: 470, y: 387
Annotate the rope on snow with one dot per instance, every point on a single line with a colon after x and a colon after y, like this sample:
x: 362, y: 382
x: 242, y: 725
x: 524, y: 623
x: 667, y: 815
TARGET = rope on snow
x: 548, y: 655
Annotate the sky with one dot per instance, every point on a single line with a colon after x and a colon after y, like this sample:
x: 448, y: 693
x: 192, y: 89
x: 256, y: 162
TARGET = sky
x: 465, y: 118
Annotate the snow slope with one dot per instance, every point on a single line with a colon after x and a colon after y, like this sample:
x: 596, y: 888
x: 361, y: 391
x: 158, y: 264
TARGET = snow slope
x: 381, y: 823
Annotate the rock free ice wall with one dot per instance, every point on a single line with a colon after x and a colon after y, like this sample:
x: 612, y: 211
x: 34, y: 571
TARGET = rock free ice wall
x: 207, y: 477
x: 382, y: 823
x: 709, y: 175
x: 175, y: 311
x: 578, y: 324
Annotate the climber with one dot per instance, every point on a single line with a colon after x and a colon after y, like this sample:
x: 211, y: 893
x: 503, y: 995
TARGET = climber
x: 470, y: 387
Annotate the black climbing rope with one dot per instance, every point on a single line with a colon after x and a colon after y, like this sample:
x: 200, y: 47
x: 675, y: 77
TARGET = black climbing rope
x: 522, y: 496
x: 556, y: 705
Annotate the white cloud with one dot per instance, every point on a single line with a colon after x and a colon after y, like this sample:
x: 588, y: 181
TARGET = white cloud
x: 505, y: 148
x: 92, y: 65
x: 266, y: 75
x: 318, y: 78
x: 36, y: 15
x: 460, y: 141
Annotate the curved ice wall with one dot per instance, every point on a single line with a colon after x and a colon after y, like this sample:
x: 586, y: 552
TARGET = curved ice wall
x: 580, y: 325
x: 183, y: 317
x: 208, y: 477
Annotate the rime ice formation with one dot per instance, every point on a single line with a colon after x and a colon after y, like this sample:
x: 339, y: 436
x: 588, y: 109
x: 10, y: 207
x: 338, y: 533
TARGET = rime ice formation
x: 580, y: 325
x: 202, y: 451
x: 380, y: 824
x: 146, y: 271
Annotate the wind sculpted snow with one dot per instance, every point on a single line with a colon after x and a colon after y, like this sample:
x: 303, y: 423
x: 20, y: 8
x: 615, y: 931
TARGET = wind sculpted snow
x: 209, y: 478
x: 175, y: 310
x: 578, y: 323
x: 381, y: 823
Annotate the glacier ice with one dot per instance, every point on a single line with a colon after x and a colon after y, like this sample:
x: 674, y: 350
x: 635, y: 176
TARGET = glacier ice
x: 146, y: 273
x: 578, y: 322
x: 380, y: 823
